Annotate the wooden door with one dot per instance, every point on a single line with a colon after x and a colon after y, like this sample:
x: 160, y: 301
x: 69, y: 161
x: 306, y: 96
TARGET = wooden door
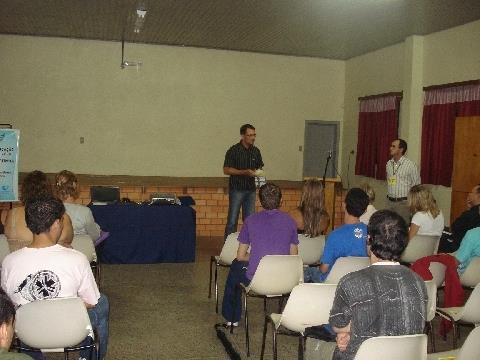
x: 466, y: 162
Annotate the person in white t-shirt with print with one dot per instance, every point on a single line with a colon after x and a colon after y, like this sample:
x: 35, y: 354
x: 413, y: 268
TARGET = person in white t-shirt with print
x: 427, y: 217
x: 46, y: 270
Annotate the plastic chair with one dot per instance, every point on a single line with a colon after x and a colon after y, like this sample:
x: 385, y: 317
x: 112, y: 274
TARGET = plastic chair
x: 431, y: 308
x: 420, y: 246
x: 469, y: 313
x: 438, y: 272
x: 411, y: 347
x: 471, y: 276
x: 84, y: 244
x: 308, y: 305
x: 470, y: 349
x: 311, y: 249
x: 227, y: 255
x: 345, y: 265
x: 275, y: 277
x: 54, y: 325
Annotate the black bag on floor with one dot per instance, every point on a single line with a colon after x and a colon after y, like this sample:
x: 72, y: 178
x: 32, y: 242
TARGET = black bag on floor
x: 321, y: 332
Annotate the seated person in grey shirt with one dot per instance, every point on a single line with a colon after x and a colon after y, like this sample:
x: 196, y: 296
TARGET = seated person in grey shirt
x: 385, y: 299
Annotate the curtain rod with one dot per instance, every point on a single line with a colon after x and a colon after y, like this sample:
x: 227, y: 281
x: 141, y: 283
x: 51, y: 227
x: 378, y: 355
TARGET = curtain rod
x: 455, y: 84
x: 397, y: 94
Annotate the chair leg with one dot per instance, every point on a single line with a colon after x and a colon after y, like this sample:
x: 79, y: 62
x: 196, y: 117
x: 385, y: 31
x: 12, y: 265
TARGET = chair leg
x: 264, y: 337
x: 455, y: 329
x: 216, y: 288
x: 432, y: 335
x: 247, y: 337
x: 210, y: 281
x: 65, y: 355
x: 274, y: 341
x: 265, y: 305
x: 300, y: 347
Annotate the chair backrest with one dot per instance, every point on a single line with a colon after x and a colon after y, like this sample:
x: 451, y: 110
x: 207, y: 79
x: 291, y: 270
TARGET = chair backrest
x: 308, y: 305
x: 229, y: 250
x: 345, y: 265
x: 53, y: 323
x: 471, y: 275
x: 4, y: 248
x: 277, y: 275
x: 310, y: 249
x: 471, y: 310
x: 438, y: 272
x: 411, y: 347
x: 470, y: 348
x: 432, y: 299
x: 420, y: 246
x: 84, y: 244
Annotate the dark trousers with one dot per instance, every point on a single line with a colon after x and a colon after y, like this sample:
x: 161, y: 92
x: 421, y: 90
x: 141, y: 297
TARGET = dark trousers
x: 232, y: 296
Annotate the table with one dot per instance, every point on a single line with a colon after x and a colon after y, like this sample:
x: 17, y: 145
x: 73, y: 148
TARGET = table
x: 142, y: 234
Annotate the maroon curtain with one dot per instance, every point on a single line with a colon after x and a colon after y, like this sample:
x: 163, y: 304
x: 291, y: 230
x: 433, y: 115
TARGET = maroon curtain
x: 441, y: 108
x: 377, y: 128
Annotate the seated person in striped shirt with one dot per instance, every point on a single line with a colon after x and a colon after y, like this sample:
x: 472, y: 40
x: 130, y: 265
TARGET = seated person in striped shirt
x: 349, y: 239
x: 385, y: 299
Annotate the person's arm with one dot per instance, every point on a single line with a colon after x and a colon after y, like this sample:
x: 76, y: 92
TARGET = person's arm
x: 324, y: 268
x: 242, y: 252
x: 296, y: 215
x: 93, y: 230
x: 415, y: 176
x: 413, y: 230
x: 293, y: 249
x: 343, y: 336
x: 66, y: 237
x: 232, y: 171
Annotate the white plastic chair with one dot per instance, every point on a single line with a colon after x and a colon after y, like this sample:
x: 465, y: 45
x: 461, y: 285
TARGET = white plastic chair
x: 469, y: 351
x: 438, y: 272
x: 84, y: 244
x: 469, y: 313
x: 275, y: 277
x: 471, y: 275
x: 308, y: 305
x: 227, y: 255
x: 345, y: 265
x: 311, y: 249
x: 54, y: 325
x: 411, y: 347
x: 420, y: 246
x: 431, y: 308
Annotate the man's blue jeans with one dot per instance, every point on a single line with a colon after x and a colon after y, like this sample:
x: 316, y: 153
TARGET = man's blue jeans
x: 99, y: 319
x: 236, y: 199
x: 232, y: 296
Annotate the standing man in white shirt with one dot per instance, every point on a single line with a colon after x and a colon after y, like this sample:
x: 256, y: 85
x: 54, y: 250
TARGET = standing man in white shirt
x: 402, y: 174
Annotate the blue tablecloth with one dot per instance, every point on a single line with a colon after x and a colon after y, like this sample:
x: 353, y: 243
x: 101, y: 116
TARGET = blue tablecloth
x: 141, y: 234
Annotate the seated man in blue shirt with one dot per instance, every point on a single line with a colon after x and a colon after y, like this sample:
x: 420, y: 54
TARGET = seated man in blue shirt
x: 469, y: 248
x: 349, y: 239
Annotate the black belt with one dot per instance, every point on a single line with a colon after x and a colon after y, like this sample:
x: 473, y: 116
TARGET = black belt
x: 396, y: 199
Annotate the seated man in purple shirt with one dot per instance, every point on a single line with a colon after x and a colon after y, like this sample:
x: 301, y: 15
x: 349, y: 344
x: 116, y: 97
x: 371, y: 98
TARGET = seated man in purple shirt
x: 269, y: 232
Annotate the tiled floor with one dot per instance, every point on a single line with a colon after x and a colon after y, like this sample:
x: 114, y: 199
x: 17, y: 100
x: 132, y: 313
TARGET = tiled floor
x: 161, y: 311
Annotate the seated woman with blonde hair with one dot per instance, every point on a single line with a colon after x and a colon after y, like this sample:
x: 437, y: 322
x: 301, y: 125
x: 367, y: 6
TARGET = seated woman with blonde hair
x: 311, y: 217
x: 35, y: 184
x: 427, y: 217
x: 66, y: 189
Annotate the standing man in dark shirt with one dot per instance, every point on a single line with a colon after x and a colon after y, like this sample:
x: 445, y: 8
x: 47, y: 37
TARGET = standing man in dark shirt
x: 241, y: 162
x: 468, y: 220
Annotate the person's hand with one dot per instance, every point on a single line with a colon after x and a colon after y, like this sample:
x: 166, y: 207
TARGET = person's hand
x: 343, y: 339
x: 250, y: 172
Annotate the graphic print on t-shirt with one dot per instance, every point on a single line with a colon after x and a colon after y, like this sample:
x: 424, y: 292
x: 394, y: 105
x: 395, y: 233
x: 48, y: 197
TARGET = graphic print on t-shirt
x: 44, y: 284
x: 358, y: 233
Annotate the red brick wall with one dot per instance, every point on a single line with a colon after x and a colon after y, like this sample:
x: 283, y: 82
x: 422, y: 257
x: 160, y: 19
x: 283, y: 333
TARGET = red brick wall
x: 211, y: 203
